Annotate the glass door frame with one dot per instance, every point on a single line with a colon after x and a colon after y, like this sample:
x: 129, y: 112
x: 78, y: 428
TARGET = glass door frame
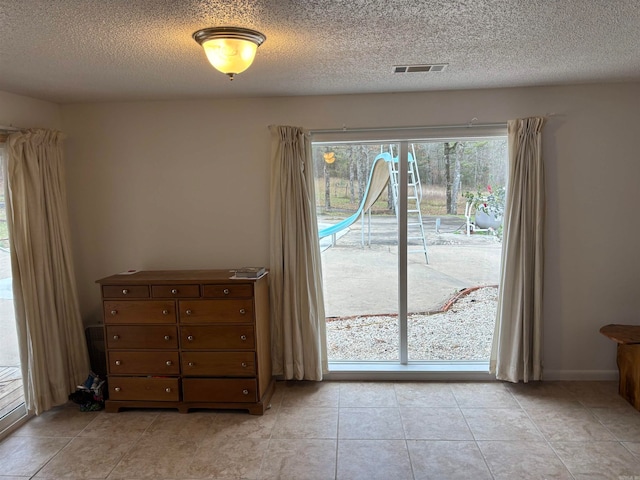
x: 16, y: 417
x: 403, y: 249
x: 405, y: 369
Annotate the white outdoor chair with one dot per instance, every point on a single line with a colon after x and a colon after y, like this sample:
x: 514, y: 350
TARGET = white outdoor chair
x: 471, y: 226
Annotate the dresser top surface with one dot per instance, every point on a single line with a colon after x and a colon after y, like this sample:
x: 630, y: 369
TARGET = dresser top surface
x: 160, y: 277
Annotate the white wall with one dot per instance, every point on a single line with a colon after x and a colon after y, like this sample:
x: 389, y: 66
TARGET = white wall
x: 25, y: 112
x: 185, y: 184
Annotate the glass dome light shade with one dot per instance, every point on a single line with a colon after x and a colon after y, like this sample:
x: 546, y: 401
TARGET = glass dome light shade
x: 230, y: 50
x: 230, y: 55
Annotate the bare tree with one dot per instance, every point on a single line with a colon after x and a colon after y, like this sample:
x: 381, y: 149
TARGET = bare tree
x: 457, y: 175
x: 453, y: 153
x: 361, y: 173
x: 352, y: 177
x: 327, y: 183
x: 449, y: 151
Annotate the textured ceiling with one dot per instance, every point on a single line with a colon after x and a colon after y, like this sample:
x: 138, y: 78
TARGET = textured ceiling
x: 105, y: 50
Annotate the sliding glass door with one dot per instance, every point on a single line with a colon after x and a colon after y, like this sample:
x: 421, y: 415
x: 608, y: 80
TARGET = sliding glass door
x: 452, y: 300
x: 358, y: 232
x: 410, y: 269
x: 11, y: 390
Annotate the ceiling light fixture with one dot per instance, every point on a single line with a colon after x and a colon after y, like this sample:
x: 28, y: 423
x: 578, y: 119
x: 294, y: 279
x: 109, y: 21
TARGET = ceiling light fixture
x: 229, y: 49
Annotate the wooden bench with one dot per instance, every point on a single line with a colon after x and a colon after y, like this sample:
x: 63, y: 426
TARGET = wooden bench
x: 628, y: 339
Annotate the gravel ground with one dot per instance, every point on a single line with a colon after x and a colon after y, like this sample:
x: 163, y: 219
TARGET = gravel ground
x: 463, y: 332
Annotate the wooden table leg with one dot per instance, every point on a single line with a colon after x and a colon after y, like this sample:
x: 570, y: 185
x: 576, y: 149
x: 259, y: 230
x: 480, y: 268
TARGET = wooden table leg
x: 629, y: 368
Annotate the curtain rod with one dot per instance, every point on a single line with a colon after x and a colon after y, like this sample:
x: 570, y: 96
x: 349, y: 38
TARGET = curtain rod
x: 9, y: 129
x: 6, y: 130
x: 424, y: 127
x: 345, y: 129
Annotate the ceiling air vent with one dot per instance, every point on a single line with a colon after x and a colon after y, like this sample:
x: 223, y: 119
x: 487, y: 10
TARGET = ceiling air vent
x: 430, y: 67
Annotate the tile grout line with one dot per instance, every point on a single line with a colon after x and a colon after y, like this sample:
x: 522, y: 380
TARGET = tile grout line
x: 52, y: 456
x: 544, y: 437
x: 473, y: 436
x: 335, y: 466
x: 404, y: 431
x: 617, y: 439
x: 132, y: 446
x: 275, y: 422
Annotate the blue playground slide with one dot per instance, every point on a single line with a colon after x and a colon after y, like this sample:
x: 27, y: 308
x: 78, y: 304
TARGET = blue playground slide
x: 378, y: 179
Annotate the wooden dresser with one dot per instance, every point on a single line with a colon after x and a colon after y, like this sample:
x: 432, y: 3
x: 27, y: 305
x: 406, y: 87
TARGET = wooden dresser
x: 187, y: 339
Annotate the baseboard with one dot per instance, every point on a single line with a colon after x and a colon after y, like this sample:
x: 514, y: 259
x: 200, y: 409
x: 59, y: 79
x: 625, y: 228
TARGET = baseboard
x: 580, y: 375
x: 434, y: 371
x: 442, y: 371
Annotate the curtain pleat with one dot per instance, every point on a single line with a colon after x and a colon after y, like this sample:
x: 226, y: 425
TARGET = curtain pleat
x: 53, y: 350
x: 297, y: 303
x: 517, y: 342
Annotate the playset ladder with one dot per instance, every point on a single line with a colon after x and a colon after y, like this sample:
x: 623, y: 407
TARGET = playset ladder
x: 415, y: 227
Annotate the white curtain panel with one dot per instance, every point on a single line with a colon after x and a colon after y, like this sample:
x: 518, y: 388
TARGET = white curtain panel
x: 517, y: 342
x: 53, y: 350
x: 297, y: 303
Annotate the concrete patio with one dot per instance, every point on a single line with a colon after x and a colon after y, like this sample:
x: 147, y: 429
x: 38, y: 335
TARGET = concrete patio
x: 361, y: 281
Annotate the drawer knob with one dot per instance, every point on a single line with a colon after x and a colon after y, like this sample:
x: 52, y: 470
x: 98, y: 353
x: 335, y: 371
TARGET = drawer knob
x: 116, y: 337
x: 117, y: 389
x: 190, y: 338
x: 244, y: 364
x: 167, y: 338
x: 125, y: 291
x: 169, y: 363
x: 188, y: 312
x: 242, y: 311
x: 243, y: 337
x: 168, y: 389
x: 114, y: 312
x: 225, y: 291
x: 174, y: 291
x: 118, y: 362
x: 245, y: 392
x: 191, y: 364
x: 165, y: 312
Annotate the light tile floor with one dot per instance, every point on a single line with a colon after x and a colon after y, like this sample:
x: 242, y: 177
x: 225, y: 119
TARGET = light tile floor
x: 348, y: 430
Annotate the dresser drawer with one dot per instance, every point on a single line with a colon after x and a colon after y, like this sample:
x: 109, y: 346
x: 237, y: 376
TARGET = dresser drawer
x: 228, y: 291
x: 150, y: 311
x: 175, y: 291
x: 141, y: 388
x: 231, y: 390
x: 216, y: 311
x: 142, y: 336
x: 122, y: 362
x: 220, y: 337
x: 125, y: 291
x: 218, y: 364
